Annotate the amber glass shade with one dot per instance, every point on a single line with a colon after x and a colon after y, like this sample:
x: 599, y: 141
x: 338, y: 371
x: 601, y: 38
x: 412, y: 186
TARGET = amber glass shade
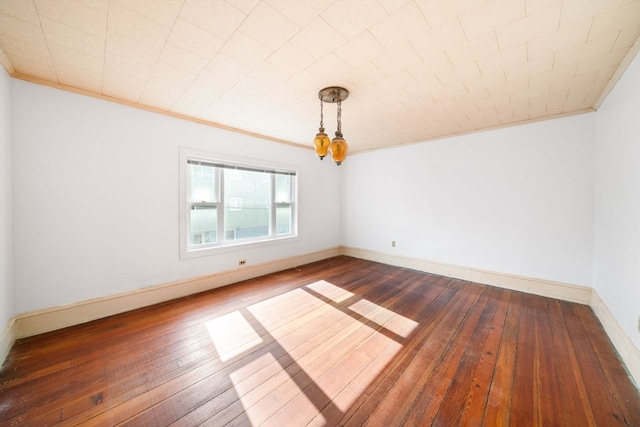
x: 322, y: 143
x: 338, y: 149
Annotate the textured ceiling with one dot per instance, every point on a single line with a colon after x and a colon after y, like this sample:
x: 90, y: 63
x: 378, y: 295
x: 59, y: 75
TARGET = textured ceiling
x: 416, y: 70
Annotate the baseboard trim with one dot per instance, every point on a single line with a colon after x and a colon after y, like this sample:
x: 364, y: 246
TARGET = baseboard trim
x: 50, y: 319
x: 629, y: 353
x: 547, y: 288
x: 7, y: 338
x: 627, y: 350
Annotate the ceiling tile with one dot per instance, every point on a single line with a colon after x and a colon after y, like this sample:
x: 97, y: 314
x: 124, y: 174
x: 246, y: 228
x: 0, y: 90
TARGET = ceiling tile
x: 460, y: 74
x: 504, y: 90
x: 575, y: 11
x: 125, y: 65
x: 491, y: 15
x: 61, y: 34
x: 215, y: 17
x: 190, y: 105
x: 487, y: 80
x: 533, y: 7
x: 485, y: 45
x: 578, y: 53
x: 123, y: 86
x: 39, y: 69
x: 172, y: 77
x: 268, y: 26
x: 595, y: 63
x: 182, y: 59
x: 533, y: 26
x: 73, y: 14
x: 20, y: 9
x: 211, y: 85
x: 352, y: 18
x: 318, y: 39
x: 364, y: 75
x: 11, y: 27
x: 162, y: 12
x: 300, y: 12
x: 269, y: 74
x: 245, y: 49
x: 122, y: 46
x: 567, y: 37
x: 330, y: 71
x: 79, y: 78
x: 393, y: 61
x: 136, y: 27
x: 245, y: 6
x: 626, y: 17
x: 556, y: 74
x: 439, y: 39
x: 532, y: 66
x: 82, y: 60
x: 291, y: 59
x: 194, y: 39
x: 437, y: 64
x: 506, y: 58
x: 392, y: 5
x: 259, y: 89
x: 401, y: 26
x: 360, y: 49
x: 17, y: 47
x: 415, y: 69
x: 438, y: 12
x: 229, y: 67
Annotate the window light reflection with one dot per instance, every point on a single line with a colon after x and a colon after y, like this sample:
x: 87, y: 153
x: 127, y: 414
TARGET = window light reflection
x: 232, y: 335
x: 333, y: 292
x: 320, y: 351
x: 392, y: 321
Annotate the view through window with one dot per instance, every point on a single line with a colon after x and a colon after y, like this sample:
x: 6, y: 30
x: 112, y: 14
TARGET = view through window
x: 229, y: 203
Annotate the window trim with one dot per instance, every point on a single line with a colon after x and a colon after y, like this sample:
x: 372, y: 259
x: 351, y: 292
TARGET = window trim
x: 232, y: 162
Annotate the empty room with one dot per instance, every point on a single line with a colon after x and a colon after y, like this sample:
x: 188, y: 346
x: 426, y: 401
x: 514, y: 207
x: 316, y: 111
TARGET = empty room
x: 320, y: 213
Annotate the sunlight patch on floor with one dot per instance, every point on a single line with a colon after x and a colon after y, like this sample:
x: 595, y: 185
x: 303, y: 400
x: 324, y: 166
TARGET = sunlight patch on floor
x: 392, y: 321
x: 333, y: 292
x: 268, y: 388
x: 232, y: 335
x: 321, y: 357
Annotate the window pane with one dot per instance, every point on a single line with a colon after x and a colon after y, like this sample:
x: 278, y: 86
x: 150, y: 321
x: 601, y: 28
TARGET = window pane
x: 203, y: 184
x: 283, y: 219
x: 283, y: 188
x: 246, y: 200
x: 204, y: 223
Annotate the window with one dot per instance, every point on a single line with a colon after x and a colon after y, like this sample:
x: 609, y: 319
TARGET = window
x: 228, y: 203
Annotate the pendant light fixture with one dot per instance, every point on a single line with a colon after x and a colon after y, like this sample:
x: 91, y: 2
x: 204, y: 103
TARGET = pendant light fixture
x: 338, y: 146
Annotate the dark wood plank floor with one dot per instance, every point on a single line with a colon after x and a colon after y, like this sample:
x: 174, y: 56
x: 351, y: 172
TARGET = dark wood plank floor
x: 338, y: 342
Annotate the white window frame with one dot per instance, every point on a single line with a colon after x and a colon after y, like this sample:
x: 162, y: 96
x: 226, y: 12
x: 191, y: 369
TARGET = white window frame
x: 188, y: 251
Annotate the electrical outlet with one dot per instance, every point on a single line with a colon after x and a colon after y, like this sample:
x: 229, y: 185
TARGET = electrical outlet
x: 242, y: 262
x: 393, y: 243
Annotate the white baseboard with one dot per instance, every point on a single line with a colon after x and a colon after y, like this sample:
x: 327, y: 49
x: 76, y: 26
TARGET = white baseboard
x: 46, y: 320
x: 547, y: 288
x: 629, y: 353
x: 7, y: 338
x: 50, y: 319
x: 627, y: 350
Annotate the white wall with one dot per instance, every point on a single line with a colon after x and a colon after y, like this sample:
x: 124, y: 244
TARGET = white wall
x: 6, y: 207
x: 517, y: 200
x: 617, y: 202
x: 96, y: 195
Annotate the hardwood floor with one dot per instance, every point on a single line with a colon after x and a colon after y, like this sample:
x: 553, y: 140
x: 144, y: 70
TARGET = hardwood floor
x: 337, y: 342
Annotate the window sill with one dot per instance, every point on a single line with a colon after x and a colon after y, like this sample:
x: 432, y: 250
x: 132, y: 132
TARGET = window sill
x: 234, y: 247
